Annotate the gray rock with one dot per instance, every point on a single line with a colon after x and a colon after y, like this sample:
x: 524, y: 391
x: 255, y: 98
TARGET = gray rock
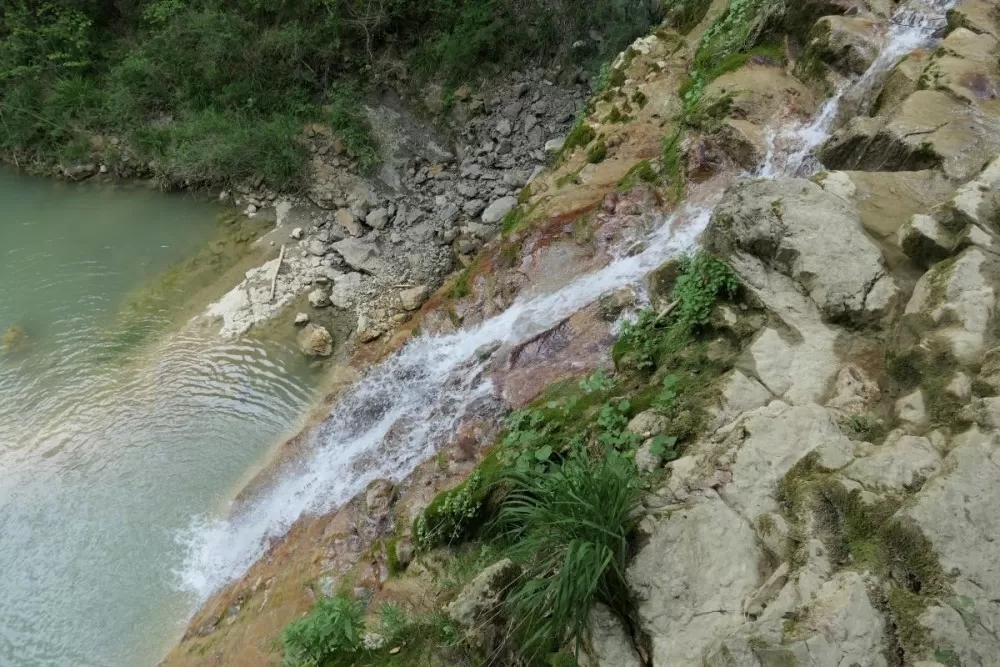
x: 473, y: 207
x: 496, y: 211
x: 691, y: 578
x: 812, y: 236
x: 504, y: 128
x: 318, y: 298
x: 896, y: 465
x: 301, y: 319
x: 925, y: 240
x: 80, y: 172
x: 345, y: 292
x: 478, y: 606
x: 316, y: 247
x: 648, y: 423
x: 378, y: 218
x: 296, y: 233
x: 958, y: 512
x: 555, y: 145
x: 360, y: 255
x: 610, y: 645
x: 414, y: 297
x: 771, y: 441
x: 448, y: 213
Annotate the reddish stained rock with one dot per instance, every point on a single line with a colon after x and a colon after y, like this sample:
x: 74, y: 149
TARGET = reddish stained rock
x: 572, y: 348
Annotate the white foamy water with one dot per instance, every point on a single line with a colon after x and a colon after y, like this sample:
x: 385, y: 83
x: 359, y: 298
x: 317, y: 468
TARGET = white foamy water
x: 791, y: 149
x: 404, y: 409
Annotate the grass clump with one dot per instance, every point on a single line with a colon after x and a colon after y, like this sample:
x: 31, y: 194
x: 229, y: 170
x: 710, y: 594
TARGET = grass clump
x: 569, y: 530
x: 597, y: 152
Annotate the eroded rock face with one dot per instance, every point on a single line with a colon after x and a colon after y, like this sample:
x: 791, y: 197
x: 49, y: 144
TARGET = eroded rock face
x: 610, y: 644
x: 957, y: 512
x: 691, y: 579
x: 812, y: 236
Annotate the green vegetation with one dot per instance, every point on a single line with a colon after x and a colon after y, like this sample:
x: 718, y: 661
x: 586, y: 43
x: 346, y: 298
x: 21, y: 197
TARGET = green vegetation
x: 558, y: 494
x: 597, y: 152
x: 331, y: 634
x: 570, y: 532
x: 216, y: 91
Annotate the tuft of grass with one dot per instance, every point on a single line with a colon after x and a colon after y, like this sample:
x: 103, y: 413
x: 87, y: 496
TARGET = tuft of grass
x: 597, y: 152
x: 569, y: 530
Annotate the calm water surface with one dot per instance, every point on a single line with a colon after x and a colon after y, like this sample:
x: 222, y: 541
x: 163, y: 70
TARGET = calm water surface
x: 111, y: 439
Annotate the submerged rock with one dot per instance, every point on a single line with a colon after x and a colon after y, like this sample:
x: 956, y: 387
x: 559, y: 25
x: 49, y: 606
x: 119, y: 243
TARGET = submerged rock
x: 316, y: 341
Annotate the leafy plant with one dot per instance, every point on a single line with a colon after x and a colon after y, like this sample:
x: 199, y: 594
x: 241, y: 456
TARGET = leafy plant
x: 611, y: 422
x: 664, y: 401
x: 569, y: 530
x: 330, y: 634
x: 447, y: 518
x: 596, y: 381
x: 703, y: 279
x: 665, y: 446
x: 393, y: 623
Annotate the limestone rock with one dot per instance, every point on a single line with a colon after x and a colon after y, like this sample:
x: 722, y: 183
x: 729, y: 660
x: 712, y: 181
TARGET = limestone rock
x: 360, y: 255
x: 739, y: 394
x: 958, y: 298
x: 345, y: 291
x: 772, y: 440
x: 957, y: 512
x: 477, y: 606
x: 925, y: 240
x: 316, y: 341
x: 910, y: 409
x: 496, y: 211
x: 315, y: 247
x: 896, y: 465
x: 610, y: 645
x: 648, y: 423
x: 929, y: 128
x: 318, y: 298
x: 378, y: 218
x: 691, y: 578
x: 812, y: 236
x: 413, y: 297
x: 841, y: 627
x: 301, y: 319
x: 848, y: 43
x: 296, y: 233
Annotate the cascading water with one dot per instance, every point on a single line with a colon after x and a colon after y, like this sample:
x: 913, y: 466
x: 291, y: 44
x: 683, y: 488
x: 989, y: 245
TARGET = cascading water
x: 790, y: 150
x: 427, y: 386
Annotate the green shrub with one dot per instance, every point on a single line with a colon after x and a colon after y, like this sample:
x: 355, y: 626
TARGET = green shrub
x: 569, y: 530
x: 331, y: 634
x: 702, y: 282
x: 451, y: 515
x: 597, y: 152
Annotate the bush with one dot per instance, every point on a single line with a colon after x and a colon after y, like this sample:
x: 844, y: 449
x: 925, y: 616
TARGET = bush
x: 329, y: 635
x: 569, y: 530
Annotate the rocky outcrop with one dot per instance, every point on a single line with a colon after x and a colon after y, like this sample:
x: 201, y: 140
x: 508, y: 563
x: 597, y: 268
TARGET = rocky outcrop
x: 775, y: 221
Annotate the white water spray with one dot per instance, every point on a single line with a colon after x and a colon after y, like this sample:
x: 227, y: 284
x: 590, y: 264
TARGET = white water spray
x: 791, y: 150
x: 402, y: 411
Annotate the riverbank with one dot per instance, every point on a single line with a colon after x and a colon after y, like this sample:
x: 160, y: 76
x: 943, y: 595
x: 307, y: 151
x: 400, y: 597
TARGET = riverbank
x: 797, y: 426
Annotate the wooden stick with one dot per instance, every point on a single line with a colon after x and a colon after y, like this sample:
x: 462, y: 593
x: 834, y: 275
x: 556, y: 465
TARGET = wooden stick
x: 274, y: 278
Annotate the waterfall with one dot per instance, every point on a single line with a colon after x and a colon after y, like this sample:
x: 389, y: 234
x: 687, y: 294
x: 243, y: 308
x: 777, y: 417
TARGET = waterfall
x: 428, y: 385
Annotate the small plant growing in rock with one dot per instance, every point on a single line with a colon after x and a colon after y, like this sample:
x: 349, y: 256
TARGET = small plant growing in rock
x: 596, y: 381
x: 330, y: 634
x: 447, y: 518
x: 597, y: 152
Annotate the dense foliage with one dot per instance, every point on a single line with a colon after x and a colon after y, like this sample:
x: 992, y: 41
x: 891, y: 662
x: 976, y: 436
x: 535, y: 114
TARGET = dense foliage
x: 217, y: 90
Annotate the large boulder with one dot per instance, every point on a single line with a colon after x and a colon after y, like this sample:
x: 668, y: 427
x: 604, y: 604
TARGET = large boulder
x: 811, y: 236
x: 930, y: 128
x: 478, y: 606
x: 959, y: 513
x: 771, y: 441
x: 691, y: 578
x: 956, y: 301
x: 847, y: 43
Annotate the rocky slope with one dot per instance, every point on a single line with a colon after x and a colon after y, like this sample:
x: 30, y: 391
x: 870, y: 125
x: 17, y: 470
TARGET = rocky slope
x: 838, y: 503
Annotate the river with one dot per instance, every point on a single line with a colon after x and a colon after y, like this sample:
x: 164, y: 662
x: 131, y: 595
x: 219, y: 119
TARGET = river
x: 116, y: 430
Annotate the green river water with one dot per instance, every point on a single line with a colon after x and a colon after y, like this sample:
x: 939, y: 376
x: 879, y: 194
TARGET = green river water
x: 114, y: 431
